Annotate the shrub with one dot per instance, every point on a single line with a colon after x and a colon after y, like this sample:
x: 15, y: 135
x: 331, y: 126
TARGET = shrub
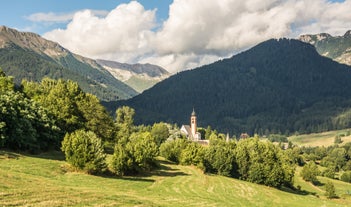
x: 193, y: 154
x: 346, y: 177
x: 310, y: 172
x: 84, y: 151
x: 135, y: 155
x: 171, y: 150
x: 330, y: 190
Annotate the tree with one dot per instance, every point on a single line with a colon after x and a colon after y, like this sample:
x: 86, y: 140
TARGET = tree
x: 122, y: 160
x: 84, y: 151
x: 61, y: 98
x: 193, y: 154
x: 160, y: 133
x: 310, y: 172
x: 330, y: 190
x: 96, y: 118
x: 6, y: 83
x: 263, y: 163
x: 171, y: 150
x: 135, y: 155
x: 220, y: 158
x: 346, y: 177
x: 329, y: 172
x: 25, y: 125
x: 208, y: 132
x: 124, y: 122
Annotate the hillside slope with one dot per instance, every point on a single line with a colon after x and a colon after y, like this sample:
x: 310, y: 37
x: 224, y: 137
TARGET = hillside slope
x: 28, y: 56
x: 337, y: 48
x: 172, y: 185
x: 278, y: 86
x: 138, y: 76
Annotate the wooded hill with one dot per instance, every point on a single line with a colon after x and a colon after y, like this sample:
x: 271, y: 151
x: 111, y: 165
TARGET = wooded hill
x: 278, y: 86
x: 28, y: 56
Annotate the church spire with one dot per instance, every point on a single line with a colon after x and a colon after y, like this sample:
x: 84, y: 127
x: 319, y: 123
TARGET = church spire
x: 193, y: 113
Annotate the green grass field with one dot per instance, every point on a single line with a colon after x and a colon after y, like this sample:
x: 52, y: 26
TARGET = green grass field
x: 320, y: 139
x: 43, y: 181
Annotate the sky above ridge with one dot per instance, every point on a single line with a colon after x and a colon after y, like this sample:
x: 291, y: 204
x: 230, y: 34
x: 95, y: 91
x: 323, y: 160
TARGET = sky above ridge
x: 176, y: 35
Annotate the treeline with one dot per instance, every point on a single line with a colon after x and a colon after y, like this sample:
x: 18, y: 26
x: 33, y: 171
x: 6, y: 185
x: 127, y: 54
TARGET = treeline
x: 249, y: 159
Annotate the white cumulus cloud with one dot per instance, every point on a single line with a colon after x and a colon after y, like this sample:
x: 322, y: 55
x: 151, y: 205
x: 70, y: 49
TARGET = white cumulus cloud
x: 197, y: 32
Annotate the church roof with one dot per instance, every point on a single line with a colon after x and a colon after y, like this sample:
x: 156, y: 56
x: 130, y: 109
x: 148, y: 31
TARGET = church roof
x: 187, y: 130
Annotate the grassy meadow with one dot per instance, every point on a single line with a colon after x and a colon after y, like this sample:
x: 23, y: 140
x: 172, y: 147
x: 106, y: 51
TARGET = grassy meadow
x: 44, y: 181
x: 321, y: 139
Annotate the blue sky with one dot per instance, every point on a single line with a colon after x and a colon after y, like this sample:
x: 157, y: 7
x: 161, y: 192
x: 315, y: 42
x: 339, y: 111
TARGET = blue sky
x: 176, y: 35
x: 15, y: 13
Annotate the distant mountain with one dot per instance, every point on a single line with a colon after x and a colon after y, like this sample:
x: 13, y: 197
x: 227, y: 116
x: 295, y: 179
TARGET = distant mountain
x: 278, y: 86
x: 28, y: 56
x: 338, y: 48
x: 138, y: 76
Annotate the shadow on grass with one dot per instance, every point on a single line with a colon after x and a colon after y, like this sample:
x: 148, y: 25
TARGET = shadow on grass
x: 8, y: 155
x: 297, y: 191
x: 161, y: 170
x: 165, y: 170
x: 51, y: 155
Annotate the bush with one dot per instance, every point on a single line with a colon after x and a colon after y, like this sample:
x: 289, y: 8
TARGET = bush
x: 220, y: 158
x: 346, y: 177
x: 310, y: 172
x: 84, y: 151
x: 171, y: 150
x: 330, y: 190
x: 329, y: 172
x: 193, y: 154
x: 135, y: 155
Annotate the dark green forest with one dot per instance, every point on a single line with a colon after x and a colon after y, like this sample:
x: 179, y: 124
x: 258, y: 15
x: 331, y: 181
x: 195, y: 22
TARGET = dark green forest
x: 279, y: 86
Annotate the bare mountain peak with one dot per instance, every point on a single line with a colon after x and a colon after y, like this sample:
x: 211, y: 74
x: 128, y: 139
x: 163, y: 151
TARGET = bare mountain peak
x: 149, y: 69
x: 31, y: 41
x: 312, y: 39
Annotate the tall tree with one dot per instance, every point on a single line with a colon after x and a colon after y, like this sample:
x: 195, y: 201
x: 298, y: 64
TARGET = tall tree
x: 160, y: 133
x: 124, y: 122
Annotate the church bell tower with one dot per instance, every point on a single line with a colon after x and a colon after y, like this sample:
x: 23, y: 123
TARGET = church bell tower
x: 193, y: 124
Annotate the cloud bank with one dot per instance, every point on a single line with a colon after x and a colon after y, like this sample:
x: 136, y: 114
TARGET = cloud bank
x: 196, y: 32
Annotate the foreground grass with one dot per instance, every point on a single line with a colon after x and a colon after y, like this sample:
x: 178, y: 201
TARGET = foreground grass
x: 42, y: 181
x: 320, y: 139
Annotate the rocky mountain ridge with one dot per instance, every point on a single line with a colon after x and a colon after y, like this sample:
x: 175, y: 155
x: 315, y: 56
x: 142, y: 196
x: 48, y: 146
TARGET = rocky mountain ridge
x: 337, y: 48
x: 25, y: 55
x: 138, y: 76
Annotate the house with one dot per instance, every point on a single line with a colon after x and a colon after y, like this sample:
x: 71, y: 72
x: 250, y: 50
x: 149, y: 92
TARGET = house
x: 190, y: 131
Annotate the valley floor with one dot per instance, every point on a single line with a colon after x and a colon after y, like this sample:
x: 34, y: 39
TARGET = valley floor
x: 43, y: 181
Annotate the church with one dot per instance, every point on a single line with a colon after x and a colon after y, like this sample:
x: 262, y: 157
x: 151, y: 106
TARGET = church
x: 191, y: 131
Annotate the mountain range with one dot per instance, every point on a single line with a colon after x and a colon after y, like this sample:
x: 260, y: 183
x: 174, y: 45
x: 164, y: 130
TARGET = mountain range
x: 278, y: 86
x: 138, y: 76
x: 337, y: 48
x: 26, y: 55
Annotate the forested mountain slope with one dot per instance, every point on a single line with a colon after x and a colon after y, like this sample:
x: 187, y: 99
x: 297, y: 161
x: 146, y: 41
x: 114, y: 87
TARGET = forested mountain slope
x: 278, y: 86
x: 28, y: 56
